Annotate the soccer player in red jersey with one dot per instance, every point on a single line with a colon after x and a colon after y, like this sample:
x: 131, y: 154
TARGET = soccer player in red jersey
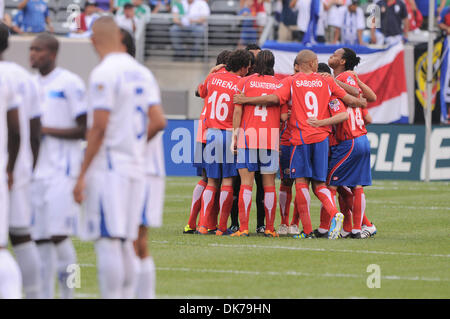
x: 350, y: 157
x: 256, y: 133
x: 310, y: 126
x: 220, y: 163
x: 199, y: 147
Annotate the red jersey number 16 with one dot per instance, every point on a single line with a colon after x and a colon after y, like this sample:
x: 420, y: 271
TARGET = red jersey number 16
x: 219, y: 108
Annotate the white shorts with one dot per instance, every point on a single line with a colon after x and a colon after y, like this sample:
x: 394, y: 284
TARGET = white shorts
x: 20, y: 206
x: 112, y: 206
x: 4, y: 215
x: 152, y: 212
x: 54, y: 211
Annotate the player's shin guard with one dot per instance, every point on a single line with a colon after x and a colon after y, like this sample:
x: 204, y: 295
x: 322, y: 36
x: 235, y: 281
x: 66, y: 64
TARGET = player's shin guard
x: 147, y: 279
x: 47, y: 254
x: 245, y: 204
x: 10, y: 278
x: 366, y: 221
x: 66, y: 256
x: 270, y: 206
x: 226, y: 203
x: 29, y: 263
x: 285, y: 198
x: 110, y: 268
x: 196, y: 203
x: 131, y: 264
x: 346, y: 206
x: 303, y: 200
x: 359, y: 206
x: 208, y: 197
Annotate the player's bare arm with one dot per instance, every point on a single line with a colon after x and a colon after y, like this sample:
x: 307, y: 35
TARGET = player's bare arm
x: 354, y: 102
x: 75, y: 133
x: 157, y: 121
x: 256, y: 100
x: 237, y: 117
x: 335, y: 119
x: 94, y: 141
x: 35, y: 138
x: 13, y: 142
x: 348, y: 88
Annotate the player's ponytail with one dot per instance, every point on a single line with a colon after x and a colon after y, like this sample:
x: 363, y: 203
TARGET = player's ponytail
x: 351, y: 60
x: 264, y: 63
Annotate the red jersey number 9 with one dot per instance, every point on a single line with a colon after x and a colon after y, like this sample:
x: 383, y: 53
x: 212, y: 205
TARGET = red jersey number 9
x: 311, y: 104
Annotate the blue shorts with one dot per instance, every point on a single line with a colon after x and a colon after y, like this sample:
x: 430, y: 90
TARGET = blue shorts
x: 219, y: 161
x: 310, y: 161
x: 262, y: 160
x: 198, y: 161
x: 350, y: 163
x: 285, y: 158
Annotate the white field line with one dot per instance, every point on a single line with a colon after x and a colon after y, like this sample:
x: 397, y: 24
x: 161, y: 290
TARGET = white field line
x: 297, y: 274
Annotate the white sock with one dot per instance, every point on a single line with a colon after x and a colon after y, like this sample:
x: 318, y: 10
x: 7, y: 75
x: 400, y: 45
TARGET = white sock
x: 147, y: 279
x: 66, y: 256
x: 10, y: 278
x: 110, y: 270
x: 29, y: 262
x: 47, y: 252
x: 131, y: 269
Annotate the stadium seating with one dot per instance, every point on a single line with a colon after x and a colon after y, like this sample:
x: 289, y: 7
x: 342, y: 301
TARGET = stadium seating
x: 224, y: 6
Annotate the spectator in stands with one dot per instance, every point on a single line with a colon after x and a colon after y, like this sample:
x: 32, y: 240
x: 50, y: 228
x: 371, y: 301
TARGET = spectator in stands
x: 331, y: 8
x: 35, y: 16
x: 128, y: 20
x: 444, y: 20
x: 259, y: 11
x: 307, y: 19
x: 115, y: 5
x: 393, y: 16
x: 159, y: 5
x: 249, y: 33
x: 189, y: 27
x: 103, y: 5
x: 415, y: 17
x: 288, y: 22
x: 141, y: 10
x: 87, y: 17
x: 352, y: 24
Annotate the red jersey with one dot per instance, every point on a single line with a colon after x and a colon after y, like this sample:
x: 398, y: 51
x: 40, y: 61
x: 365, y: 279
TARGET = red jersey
x: 310, y: 95
x: 285, y: 130
x: 354, y: 126
x: 202, y: 127
x: 218, y: 94
x: 260, y: 124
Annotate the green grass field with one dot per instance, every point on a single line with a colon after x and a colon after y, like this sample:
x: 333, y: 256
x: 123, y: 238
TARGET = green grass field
x: 412, y: 249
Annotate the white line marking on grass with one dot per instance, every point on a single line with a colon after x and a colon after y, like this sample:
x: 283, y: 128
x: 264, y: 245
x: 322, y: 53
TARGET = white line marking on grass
x: 295, y: 274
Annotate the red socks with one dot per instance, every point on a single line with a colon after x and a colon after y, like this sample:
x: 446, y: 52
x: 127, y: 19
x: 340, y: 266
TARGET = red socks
x: 196, y: 203
x: 245, y: 203
x: 270, y: 206
x: 226, y: 203
x: 303, y: 200
x: 285, y: 203
x: 208, y: 200
x: 325, y: 218
x: 359, y: 206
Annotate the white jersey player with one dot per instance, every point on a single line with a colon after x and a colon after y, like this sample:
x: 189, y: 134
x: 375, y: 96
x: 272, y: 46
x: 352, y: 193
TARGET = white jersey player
x: 113, y: 171
x: 63, y: 102
x: 10, y: 277
x: 19, y: 194
x: 152, y: 209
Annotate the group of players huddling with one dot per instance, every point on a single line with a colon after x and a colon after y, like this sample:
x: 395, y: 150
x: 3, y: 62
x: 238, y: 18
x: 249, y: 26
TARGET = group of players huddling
x: 117, y: 178
x: 310, y: 126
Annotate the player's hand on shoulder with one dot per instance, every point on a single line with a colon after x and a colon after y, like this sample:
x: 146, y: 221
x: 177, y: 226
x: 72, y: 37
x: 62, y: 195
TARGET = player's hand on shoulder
x: 239, y: 98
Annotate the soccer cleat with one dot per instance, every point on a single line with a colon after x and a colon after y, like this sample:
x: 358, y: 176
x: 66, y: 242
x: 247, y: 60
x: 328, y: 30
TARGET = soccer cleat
x: 202, y: 230
x: 318, y: 234
x: 240, y: 234
x: 260, y: 229
x: 303, y: 235
x: 345, y: 234
x: 336, y: 226
x: 223, y: 233
x: 188, y: 230
x: 368, y: 231
x: 212, y: 231
x: 355, y: 235
x: 269, y: 233
x: 282, y: 230
x: 293, y: 230
x: 233, y: 229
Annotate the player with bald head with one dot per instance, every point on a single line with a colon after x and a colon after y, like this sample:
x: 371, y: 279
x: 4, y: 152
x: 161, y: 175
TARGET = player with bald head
x: 310, y: 124
x: 112, y: 176
x: 63, y: 119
